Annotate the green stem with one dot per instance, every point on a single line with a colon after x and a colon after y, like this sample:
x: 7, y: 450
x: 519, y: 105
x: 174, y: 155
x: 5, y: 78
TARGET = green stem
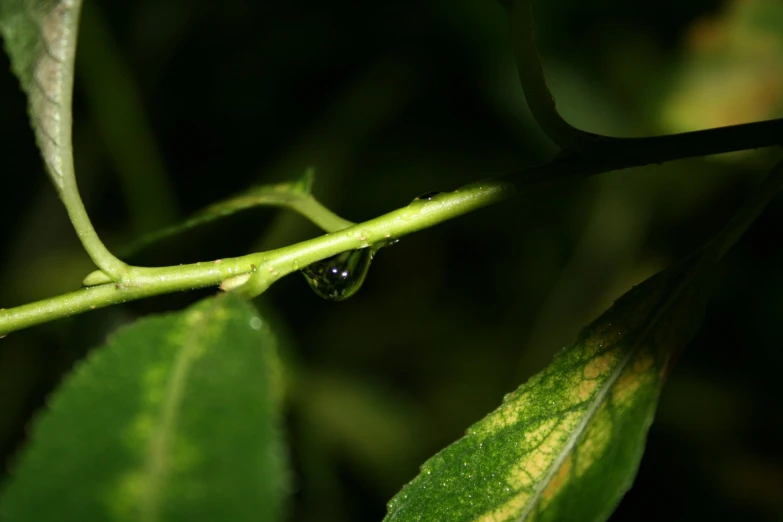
x: 50, y: 110
x: 289, y: 195
x: 321, y: 216
x: 268, y: 266
x: 95, y: 248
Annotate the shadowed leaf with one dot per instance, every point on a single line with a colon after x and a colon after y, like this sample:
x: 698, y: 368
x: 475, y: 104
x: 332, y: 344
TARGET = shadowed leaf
x: 174, y: 419
x: 566, y: 445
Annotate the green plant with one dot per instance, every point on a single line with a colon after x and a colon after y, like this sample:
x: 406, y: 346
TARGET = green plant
x: 564, y: 446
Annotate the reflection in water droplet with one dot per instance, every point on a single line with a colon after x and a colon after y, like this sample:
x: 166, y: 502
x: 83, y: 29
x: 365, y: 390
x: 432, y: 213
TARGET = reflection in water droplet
x: 339, y: 277
x: 427, y: 196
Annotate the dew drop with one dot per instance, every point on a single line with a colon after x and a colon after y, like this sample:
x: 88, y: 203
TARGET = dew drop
x: 339, y: 277
x: 255, y: 323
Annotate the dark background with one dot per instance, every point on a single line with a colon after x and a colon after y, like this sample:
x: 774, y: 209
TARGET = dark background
x: 179, y: 103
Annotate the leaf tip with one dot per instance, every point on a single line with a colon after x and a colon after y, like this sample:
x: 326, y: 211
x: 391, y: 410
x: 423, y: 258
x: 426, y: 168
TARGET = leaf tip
x: 304, y: 184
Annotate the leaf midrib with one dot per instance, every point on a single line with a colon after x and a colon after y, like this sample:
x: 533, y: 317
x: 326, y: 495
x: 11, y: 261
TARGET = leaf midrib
x: 571, y: 442
x: 599, y: 398
x: 156, y: 469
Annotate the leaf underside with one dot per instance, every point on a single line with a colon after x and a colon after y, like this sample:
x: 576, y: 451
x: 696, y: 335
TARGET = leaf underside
x: 174, y: 419
x: 40, y: 39
x: 565, y: 445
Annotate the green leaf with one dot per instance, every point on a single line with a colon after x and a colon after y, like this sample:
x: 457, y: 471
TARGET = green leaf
x: 566, y: 445
x: 40, y: 38
x: 176, y: 418
x: 279, y: 195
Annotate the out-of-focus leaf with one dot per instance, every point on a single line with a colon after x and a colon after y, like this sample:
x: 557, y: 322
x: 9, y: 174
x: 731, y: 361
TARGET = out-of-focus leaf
x: 566, y: 445
x: 278, y: 195
x: 40, y: 38
x: 732, y: 71
x: 175, y: 419
x: 371, y: 426
x: 118, y: 112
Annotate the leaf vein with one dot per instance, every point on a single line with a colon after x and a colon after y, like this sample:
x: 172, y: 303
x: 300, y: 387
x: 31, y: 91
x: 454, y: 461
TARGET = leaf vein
x: 157, y: 463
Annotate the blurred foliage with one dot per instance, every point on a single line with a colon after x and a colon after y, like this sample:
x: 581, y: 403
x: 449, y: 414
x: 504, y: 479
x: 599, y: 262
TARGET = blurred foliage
x: 732, y: 68
x: 389, y: 101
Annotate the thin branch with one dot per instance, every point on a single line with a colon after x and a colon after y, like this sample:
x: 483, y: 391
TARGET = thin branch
x: 531, y: 76
x: 53, y: 66
x: 292, y: 195
x: 268, y: 266
x: 319, y: 215
x: 621, y: 153
x: 100, y: 255
x: 576, y: 141
x: 265, y: 268
x: 720, y: 140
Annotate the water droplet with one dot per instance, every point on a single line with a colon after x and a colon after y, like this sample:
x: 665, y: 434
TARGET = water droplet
x: 255, y: 323
x: 339, y: 277
x: 427, y: 196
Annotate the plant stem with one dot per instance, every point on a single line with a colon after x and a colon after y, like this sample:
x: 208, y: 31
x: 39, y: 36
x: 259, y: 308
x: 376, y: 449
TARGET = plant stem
x: 286, y: 195
x: 531, y: 76
x: 267, y: 267
x: 95, y: 248
x: 321, y: 216
x: 622, y: 153
x: 578, y: 142
x: 49, y: 85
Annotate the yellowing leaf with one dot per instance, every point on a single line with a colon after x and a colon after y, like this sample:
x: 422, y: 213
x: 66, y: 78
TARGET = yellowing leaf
x: 565, y: 446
